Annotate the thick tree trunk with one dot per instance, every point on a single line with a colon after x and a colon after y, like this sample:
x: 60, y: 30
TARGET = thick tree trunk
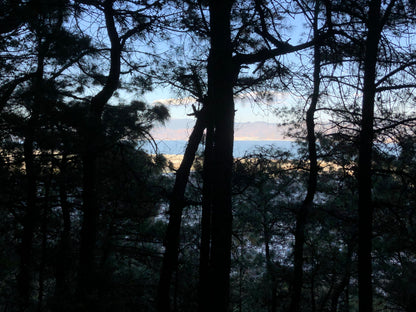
x: 365, y: 208
x: 176, y: 205
x: 301, y: 217
x: 220, y: 100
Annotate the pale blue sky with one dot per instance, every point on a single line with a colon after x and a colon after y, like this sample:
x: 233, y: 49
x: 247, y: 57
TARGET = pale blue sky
x: 247, y: 110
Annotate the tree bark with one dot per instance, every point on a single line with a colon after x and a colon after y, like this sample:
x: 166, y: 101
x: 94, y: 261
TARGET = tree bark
x: 44, y: 253
x: 221, y: 77
x: 301, y: 217
x: 89, y: 224
x: 176, y: 205
x: 30, y: 221
x: 338, y: 289
x: 207, y: 195
x: 32, y: 213
x: 271, y: 274
x: 64, y: 250
x: 365, y: 208
x: 92, y: 137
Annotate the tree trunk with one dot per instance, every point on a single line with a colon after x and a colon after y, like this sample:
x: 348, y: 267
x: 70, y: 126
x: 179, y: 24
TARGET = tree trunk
x: 30, y: 222
x: 92, y: 138
x: 64, y: 250
x: 365, y: 208
x: 207, y: 195
x: 32, y: 213
x: 89, y: 224
x: 271, y: 274
x: 176, y: 206
x: 301, y: 217
x: 44, y: 254
x: 338, y: 289
x: 220, y: 99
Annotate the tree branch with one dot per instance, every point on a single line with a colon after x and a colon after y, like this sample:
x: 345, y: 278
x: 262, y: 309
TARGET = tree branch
x: 265, y: 54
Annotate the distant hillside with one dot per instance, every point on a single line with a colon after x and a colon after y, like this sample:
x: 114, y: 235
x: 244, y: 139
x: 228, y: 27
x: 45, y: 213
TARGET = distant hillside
x: 259, y: 131
x: 180, y: 129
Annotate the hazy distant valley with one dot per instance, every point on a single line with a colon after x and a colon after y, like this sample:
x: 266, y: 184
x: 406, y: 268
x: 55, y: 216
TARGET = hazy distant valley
x: 179, y: 129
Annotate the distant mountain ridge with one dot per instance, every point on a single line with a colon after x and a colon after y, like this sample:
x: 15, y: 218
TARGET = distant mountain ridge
x: 180, y: 129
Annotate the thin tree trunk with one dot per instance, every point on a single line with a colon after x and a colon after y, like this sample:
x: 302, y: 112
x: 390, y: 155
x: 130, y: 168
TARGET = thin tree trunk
x: 302, y: 214
x: 347, y: 298
x: 89, y: 225
x: 32, y: 214
x: 313, y: 301
x: 42, y: 266
x: 365, y: 208
x: 29, y: 225
x: 176, y: 206
x: 43, y: 259
x: 272, y: 302
x: 92, y: 137
x: 64, y: 249
x: 207, y: 194
x: 343, y: 283
x: 240, y: 289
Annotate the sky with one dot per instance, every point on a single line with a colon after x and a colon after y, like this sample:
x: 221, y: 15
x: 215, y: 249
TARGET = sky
x: 248, y: 109
x: 254, y: 120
